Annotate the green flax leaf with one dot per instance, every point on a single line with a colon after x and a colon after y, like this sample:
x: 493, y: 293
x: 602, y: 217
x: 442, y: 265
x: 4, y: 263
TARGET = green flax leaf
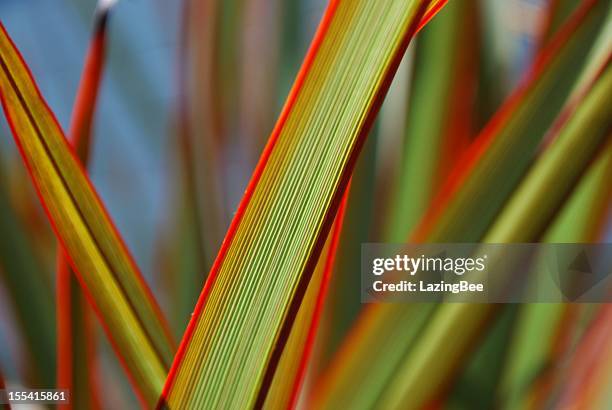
x: 232, y: 346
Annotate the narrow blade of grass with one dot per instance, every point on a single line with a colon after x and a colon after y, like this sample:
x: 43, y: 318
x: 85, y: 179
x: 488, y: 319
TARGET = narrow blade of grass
x: 259, y: 278
x: 106, y: 270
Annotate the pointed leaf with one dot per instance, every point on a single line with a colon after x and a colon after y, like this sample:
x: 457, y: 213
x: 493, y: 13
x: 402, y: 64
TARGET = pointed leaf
x: 261, y: 274
x: 75, y: 328
x: 112, y: 281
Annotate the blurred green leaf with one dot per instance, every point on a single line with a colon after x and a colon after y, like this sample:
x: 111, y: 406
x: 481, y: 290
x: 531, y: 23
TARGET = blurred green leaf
x: 31, y: 293
x: 76, y: 336
x: 524, y: 218
x: 344, y: 303
x: 440, y: 71
x: 493, y: 166
x: 539, y: 326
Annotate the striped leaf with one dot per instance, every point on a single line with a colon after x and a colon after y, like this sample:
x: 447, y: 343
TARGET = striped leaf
x: 228, y: 354
x: 291, y: 370
x: 75, y: 327
x: 96, y: 252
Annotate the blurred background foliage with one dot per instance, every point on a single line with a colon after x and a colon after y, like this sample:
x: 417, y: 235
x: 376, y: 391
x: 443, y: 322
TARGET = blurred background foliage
x: 190, y: 93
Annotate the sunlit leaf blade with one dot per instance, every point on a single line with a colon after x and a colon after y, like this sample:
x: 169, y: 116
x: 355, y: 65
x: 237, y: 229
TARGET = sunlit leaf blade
x: 428, y: 367
x: 75, y: 331
x: 264, y: 266
x: 343, y: 302
x: 112, y: 281
x: 292, y: 366
x: 22, y: 273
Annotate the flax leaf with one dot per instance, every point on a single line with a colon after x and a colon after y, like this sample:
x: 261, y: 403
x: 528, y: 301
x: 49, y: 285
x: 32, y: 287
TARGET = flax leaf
x: 75, y: 328
x: 261, y: 274
x: 106, y: 270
